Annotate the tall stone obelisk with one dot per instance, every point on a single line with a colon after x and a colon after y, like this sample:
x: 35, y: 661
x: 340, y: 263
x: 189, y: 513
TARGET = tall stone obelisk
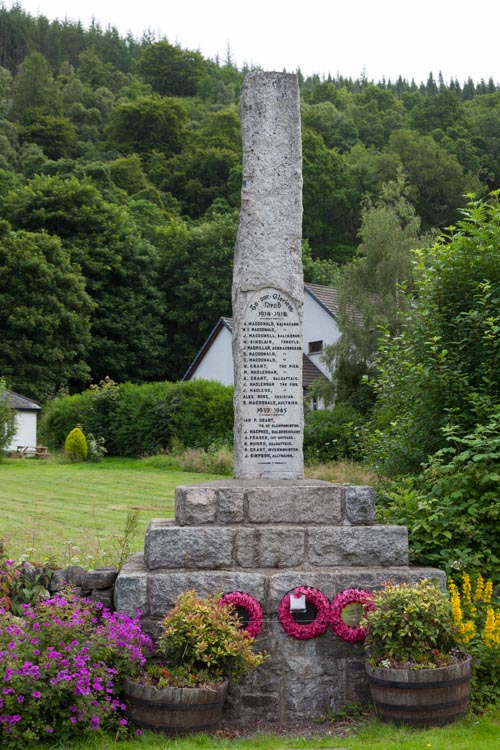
x: 268, y: 287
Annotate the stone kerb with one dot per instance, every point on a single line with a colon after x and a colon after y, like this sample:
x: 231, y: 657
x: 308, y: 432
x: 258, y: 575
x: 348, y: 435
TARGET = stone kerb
x: 248, y: 502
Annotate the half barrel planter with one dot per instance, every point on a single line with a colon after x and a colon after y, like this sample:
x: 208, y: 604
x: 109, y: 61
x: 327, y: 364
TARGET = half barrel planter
x: 174, y: 710
x: 421, y: 697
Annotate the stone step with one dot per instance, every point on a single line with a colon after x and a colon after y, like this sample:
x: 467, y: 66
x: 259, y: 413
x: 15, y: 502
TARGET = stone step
x: 306, y: 501
x: 273, y: 546
x: 155, y: 592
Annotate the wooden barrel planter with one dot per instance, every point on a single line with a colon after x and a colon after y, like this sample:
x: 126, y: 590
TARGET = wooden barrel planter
x: 174, y: 710
x: 421, y: 697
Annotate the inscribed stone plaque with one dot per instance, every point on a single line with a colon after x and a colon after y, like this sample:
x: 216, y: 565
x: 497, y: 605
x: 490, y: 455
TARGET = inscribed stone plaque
x: 271, y: 384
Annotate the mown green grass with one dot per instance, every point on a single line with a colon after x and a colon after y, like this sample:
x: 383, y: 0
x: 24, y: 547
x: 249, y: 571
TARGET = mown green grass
x: 76, y: 513
x: 472, y: 733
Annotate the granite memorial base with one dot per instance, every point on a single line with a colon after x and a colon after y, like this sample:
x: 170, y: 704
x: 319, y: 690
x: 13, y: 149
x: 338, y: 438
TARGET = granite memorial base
x: 265, y: 537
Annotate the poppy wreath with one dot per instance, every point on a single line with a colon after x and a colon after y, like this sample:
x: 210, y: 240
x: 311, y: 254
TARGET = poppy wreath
x: 303, y: 631
x: 252, y: 607
x: 342, y: 629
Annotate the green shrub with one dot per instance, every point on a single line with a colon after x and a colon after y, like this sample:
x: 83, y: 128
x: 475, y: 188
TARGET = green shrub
x: 7, y: 419
x: 451, y: 508
x: 332, y: 434
x: 138, y: 420
x: 76, y: 446
x: 60, y: 415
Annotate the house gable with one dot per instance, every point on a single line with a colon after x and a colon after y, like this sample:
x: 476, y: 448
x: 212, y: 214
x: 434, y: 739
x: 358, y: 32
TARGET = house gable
x: 214, y: 361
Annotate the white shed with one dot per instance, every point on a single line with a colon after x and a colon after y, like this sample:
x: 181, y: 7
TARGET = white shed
x: 26, y: 419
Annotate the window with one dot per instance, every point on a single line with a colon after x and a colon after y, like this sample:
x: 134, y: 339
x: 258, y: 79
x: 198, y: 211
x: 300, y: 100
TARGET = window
x: 315, y: 347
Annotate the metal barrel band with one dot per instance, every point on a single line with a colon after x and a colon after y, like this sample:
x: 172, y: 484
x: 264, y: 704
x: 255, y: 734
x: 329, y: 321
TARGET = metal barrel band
x: 179, y: 706
x: 418, y: 685
x: 426, y: 707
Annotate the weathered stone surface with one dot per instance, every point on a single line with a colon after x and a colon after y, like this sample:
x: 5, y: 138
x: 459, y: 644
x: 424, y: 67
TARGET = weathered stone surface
x: 358, y: 546
x: 195, y: 505
x: 270, y: 547
x: 72, y: 575
x: 360, y: 505
x: 99, y: 578
x: 130, y: 592
x: 231, y: 505
x: 168, y: 546
x: 268, y: 283
x: 103, y: 596
x: 295, y: 504
x: 165, y: 586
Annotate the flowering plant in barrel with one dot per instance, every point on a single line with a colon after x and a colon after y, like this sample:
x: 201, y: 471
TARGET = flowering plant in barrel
x: 204, y: 641
x: 411, y: 626
x: 201, y: 646
x: 417, y: 672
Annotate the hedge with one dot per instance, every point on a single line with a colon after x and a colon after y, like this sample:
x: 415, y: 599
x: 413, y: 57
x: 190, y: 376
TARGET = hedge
x: 136, y: 420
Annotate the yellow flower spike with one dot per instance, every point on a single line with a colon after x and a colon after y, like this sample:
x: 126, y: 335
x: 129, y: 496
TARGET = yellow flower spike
x: 489, y: 628
x: 466, y: 588
x: 479, y: 588
x: 488, y: 591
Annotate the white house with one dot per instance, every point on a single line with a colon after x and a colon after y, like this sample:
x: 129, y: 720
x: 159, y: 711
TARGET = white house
x: 214, y: 361
x: 26, y: 419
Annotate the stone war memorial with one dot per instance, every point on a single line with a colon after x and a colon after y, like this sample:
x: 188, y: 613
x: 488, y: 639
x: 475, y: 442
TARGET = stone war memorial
x: 295, y: 547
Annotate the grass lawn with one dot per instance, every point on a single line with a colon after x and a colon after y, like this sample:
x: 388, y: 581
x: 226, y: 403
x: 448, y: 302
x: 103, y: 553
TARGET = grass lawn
x: 76, y: 513
x: 472, y: 733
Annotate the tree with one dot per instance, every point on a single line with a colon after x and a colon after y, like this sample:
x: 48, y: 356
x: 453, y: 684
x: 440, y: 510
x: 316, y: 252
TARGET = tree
x: 371, y: 292
x: 443, y: 368
x: 170, y: 70
x: 146, y: 124
x: 56, y: 136
x: 7, y: 418
x: 438, y: 181
x: 44, y: 315
x: 119, y: 266
x: 34, y: 90
x: 196, y: 276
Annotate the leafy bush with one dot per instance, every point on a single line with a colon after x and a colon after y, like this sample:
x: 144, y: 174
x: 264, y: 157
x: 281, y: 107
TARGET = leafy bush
x: 451, y: 509
x: 444, y: 366
x: 60, y: 415
x: 61, y: 666
x: 7, y: 419
x: 75, y: 445
x: 332, y: 434
x: 411, y: 626
x: 201, y: 635
x: 137, y: 420
x: 477, y: 620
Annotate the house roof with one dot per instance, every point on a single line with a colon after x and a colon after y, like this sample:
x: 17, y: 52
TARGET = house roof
x: 16, y: 401
x: 309, y: 370
x: 327, y: 297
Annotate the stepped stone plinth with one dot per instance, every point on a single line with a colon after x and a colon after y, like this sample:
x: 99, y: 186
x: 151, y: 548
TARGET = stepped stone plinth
x: 227, y: 536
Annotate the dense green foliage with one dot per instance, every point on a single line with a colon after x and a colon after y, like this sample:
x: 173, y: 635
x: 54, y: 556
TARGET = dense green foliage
x: 127, y: 152
x: 443, y: 368
x: 332, y: 434
x: 437, y: 413
x: 135, y: 420
x: 7, y: 419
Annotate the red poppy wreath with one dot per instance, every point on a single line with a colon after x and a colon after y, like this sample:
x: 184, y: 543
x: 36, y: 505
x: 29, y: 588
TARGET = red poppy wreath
x: 250, y: 609
x: 349, y: 633
x: 303, y: 631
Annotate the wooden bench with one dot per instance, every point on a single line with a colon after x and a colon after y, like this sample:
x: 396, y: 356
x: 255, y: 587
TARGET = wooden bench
x: 29, y: 451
